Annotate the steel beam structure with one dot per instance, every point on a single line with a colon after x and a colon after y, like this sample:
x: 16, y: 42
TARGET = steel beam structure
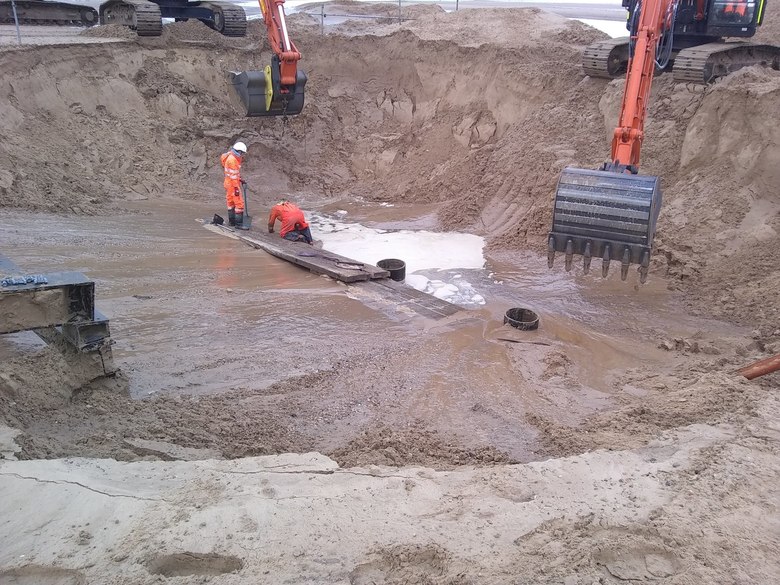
x: 60, y: 308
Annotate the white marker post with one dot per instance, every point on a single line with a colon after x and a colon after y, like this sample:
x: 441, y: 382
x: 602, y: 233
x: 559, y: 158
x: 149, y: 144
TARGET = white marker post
x: 16, y: 21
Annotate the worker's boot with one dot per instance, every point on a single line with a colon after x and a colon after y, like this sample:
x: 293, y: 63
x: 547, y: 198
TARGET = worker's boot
x: 240, y: 221
x: 231, y: 217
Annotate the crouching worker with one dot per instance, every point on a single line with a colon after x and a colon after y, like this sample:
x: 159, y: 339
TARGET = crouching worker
x: 294, y: 225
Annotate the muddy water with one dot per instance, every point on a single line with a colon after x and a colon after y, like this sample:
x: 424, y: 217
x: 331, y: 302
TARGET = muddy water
x: 195, y: 312
x: 190, y: 310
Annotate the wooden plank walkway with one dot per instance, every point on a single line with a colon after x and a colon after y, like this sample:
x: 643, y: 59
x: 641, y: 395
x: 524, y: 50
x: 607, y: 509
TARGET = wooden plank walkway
x: 342, y: 268
x: 318, y: 261
x: 415, y: 300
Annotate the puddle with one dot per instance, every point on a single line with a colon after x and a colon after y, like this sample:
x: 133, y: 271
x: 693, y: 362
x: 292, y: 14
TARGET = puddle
x: 419, y: 249
x: 193, y: 312
x: 434, y: 261
x: 190, y: 563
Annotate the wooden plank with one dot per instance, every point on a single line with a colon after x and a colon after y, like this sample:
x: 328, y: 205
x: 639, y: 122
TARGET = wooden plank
x: 421, y: 303
x: 316, y: 260
x: 328, y: 263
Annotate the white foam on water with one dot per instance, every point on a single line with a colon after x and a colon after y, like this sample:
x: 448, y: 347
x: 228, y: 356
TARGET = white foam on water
x: 440, y: 255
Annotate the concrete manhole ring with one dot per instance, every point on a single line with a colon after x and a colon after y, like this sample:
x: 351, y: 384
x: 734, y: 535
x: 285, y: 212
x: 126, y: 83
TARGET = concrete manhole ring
x: 521, y: 318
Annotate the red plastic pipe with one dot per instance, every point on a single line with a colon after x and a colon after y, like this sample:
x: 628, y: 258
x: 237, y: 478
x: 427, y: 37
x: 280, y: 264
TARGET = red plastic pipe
x: 761, y: 368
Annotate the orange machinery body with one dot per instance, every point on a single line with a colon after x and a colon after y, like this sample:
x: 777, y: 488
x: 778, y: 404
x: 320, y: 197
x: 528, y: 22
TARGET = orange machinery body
x: 278, y: 90
x: 281, y: 45
x: 612, y: 213
x: 627, y: 140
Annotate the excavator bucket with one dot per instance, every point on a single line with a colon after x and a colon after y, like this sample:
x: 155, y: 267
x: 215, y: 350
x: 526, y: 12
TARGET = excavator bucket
x: 606, y: 215
x: 261, y: 94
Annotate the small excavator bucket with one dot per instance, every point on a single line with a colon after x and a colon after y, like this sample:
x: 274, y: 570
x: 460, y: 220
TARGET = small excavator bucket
x: 607, y: 215
x: 261, y: 94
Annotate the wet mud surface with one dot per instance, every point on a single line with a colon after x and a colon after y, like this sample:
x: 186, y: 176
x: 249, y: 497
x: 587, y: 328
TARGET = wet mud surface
x: 225, y: 348
x: 649, y: 459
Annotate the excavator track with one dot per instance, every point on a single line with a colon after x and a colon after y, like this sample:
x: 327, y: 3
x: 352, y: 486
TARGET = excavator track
x: 148, y: 22
x: 142, y: 16
x: 705, y: 63
x: 38, y: 12
x: 607, y: 59
x: 229, y: 19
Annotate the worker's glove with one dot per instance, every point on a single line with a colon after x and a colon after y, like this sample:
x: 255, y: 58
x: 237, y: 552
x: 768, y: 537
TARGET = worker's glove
x: 270, y: 230
x: 243, y: 182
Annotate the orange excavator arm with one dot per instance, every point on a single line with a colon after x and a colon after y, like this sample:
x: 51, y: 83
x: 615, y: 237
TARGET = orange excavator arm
x: 655, y: 17
x: 612, y: 212
x: 277, y: 90
x: 281, y: 45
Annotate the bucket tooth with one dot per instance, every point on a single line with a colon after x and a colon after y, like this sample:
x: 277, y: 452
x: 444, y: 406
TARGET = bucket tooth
x: 550, y: 252
x: 569, y: 255
x: 586, y: 256
x: 625, y: 263
x: 644, y: 266
x: 605, y: 262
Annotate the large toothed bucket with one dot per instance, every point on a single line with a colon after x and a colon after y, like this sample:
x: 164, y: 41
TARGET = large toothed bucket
x: 607, y: 215
x: 260, y: 94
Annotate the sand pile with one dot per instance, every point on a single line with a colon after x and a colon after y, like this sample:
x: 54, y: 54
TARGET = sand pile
x: 110, y: 31
x: 721, y: 224
x: 479, y: 109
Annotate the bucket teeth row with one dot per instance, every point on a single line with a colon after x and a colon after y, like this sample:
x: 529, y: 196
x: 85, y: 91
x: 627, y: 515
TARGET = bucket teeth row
x: 606, y: 258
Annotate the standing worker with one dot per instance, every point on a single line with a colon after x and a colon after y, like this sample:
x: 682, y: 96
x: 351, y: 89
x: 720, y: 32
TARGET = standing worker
x: 231, y: 163
x: 294, y: 225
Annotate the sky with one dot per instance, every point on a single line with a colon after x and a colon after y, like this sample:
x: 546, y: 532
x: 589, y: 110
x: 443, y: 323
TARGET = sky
x: 606, y: 15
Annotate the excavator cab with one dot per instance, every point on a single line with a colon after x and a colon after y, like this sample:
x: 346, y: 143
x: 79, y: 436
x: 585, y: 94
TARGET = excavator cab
x: 262, y: 94
x: 612, y: 213
x: 695, y: 48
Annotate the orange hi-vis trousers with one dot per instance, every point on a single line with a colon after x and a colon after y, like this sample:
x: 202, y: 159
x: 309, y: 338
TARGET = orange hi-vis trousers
x: 234, y: 199
x: 232, y: 167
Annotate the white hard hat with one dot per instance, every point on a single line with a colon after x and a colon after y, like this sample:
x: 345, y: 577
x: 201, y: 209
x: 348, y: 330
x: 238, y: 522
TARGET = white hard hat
x: 240, y: 147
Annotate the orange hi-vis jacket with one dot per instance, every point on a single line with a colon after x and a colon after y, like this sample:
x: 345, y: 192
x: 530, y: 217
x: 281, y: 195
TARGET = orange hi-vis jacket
x: 739, y: 8
x: 289, y: 214
x: 232, y: 167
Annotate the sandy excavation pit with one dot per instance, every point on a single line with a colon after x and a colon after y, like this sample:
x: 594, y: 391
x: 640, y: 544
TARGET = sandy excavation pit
x: 619, y: 446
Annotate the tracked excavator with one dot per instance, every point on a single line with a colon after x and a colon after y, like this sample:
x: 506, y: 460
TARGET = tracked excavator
x: 48, y: 13
x: 143, y: 16
x: 611, y: 213
x: 694, y: 44
x: 278, y: 89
